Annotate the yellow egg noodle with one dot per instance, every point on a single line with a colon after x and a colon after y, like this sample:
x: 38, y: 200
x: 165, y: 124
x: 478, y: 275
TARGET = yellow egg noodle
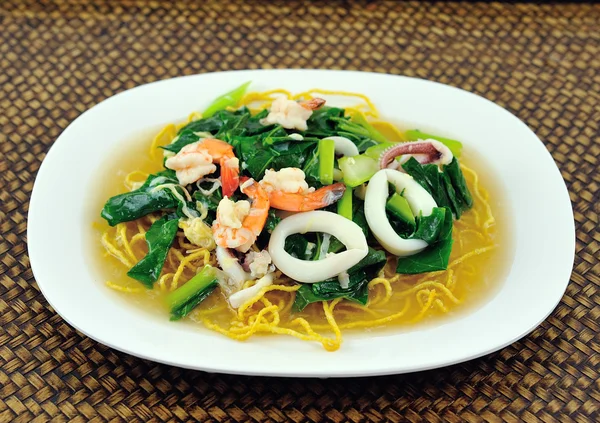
x: 392, y: 297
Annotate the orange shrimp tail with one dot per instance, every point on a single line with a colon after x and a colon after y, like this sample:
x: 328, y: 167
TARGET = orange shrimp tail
x: 230, y: 178
x: 256, y: 219
x: 313, y: 104
x: 318, y: 199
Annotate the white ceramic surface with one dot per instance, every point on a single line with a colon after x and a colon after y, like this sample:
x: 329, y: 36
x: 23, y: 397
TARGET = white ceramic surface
x: 543, y: 225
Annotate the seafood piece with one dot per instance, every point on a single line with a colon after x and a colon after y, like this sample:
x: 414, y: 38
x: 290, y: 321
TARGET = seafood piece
x: 235, y: 276
x: 419, y: 200
x: 318, y: 199
x: 258, y: 263
x: 344, y: 146
x: 425, y: 152
x: 288, y: 190
x: 240, y: 297
x: 288, y: 179
x: 291, y: 114
x: 196, y: 160
x: 348, y: 232
x: 238, y: 223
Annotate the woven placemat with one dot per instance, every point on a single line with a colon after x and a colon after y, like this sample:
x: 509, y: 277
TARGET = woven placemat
x: 57, y: 59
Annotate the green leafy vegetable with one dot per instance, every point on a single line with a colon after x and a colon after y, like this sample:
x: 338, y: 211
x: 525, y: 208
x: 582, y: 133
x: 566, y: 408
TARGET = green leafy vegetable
x: 159, y: 238
x: 257, y: 158
x: 223, y: 123
x: 185, y: 298
x: 454, y: 146
x: 448, y: 188
x: 435, y: 256
x: 360, y: 275
x: 297, y: 246
x: 373, y: 133
x: 210, y: 202
x: 322, y: 124
x: 142, y: 201
x: 272, y: 220
x: 230, y: 99
x: 430, y: 227
x: 454, y: 201
x: 458, y: 182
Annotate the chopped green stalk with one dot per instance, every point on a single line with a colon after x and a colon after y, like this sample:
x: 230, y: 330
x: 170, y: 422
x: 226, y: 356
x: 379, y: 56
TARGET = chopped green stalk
x: 373, y: 133
x: 185, y: 298
x: 375, y: 151
x: 454, y: 146
x: 399, y: 206
x: 230, y: 99
x: 358, y: 169
x: 344, y: 206
x: 326, y: 159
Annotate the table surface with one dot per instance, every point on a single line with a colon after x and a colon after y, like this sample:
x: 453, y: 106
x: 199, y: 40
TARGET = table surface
x: 58, y: 58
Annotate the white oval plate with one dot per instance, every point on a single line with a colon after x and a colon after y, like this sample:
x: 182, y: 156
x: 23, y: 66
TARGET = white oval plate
x: 544, y: 231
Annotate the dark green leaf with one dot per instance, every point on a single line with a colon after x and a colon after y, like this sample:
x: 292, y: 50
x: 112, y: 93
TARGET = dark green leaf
x: 458, y: 182
x: 321, y: 123
x: 456, y: 204
x: 159, y: 238
x: 430, y: 227
x: 360, y: 275
x: 142, y: 201
x: 297, y: 246
x: 210, y: 202
x: 434, y: 257
x: 272, y: 221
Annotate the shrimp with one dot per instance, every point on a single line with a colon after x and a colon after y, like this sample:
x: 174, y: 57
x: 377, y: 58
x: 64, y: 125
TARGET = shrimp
x: 194, y: 161
x: 239, y: 230
x: 299, y: 202
x: 292, y: 114
x: 288, y: 190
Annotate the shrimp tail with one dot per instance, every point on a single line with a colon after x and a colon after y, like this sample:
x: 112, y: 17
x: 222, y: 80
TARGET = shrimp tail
x: 312, y: 104
x: 318, y: 199
x: 230, y: 179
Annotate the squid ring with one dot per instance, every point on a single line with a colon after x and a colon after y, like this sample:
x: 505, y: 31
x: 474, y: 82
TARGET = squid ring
x: 420, y: 201
x: 344, y: 146
x: 348, y: 232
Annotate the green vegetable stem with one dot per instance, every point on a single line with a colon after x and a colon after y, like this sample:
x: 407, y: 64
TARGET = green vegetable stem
x: 230, y: 99
x: 373, y: 133
x: 344, y: 206
x: 326, y: 159
x: 183, y: 300
x: 358, y: 169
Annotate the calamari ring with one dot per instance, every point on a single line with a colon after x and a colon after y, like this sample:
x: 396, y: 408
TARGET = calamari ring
x: 348, y: 232
x: 420, y: 201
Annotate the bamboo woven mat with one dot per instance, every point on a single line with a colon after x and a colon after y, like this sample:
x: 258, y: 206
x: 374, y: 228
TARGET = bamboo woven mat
x: 57, y: 59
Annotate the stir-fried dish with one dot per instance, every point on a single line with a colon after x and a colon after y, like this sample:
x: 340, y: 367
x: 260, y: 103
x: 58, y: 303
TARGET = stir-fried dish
x: 278, y: 213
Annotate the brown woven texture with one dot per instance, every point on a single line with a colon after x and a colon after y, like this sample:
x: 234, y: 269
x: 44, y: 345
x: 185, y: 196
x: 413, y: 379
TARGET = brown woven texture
x: 57, y: 59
